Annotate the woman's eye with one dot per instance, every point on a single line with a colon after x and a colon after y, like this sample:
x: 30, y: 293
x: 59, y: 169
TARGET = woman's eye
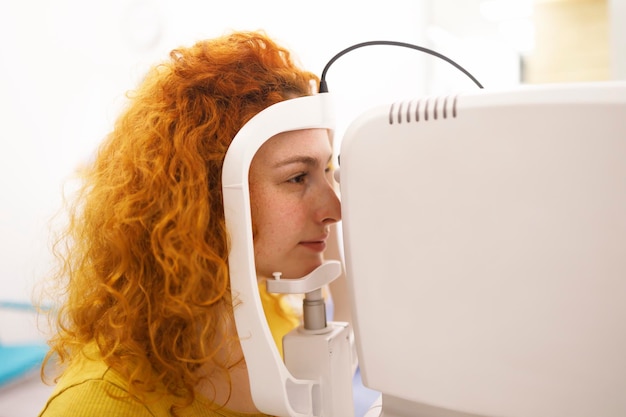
x: 298, y: 179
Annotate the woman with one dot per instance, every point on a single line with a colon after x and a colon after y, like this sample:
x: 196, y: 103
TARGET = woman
x: 146, y: 328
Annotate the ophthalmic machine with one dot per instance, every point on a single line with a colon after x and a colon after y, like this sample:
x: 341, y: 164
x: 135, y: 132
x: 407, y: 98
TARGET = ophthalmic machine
x: 485, y: 252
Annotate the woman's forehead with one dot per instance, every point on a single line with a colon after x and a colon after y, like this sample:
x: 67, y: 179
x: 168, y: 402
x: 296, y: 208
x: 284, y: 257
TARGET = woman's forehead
x: 314, y: 143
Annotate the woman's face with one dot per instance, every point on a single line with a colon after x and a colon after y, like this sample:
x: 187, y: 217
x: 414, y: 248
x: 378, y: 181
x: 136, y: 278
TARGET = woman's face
x: 293, y: 202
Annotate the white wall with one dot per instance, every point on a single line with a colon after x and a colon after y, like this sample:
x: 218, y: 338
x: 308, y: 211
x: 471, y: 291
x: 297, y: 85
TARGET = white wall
x: 617, y: 8
x: 66, y: 64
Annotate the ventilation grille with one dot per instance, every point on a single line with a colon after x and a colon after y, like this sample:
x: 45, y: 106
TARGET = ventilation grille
x: 423, y: 110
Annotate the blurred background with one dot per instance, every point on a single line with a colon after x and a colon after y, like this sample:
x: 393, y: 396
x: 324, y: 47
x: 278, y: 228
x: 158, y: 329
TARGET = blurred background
x: 66, y: 65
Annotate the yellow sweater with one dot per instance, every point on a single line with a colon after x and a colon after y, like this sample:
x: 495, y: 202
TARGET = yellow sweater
x: 280, y: 315
x: 90, y: 388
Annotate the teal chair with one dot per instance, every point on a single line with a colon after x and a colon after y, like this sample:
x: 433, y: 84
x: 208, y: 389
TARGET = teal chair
x: 18, y: 361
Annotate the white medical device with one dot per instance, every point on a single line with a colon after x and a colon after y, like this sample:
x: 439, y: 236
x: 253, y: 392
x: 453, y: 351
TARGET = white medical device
x: 315, y: 378
x: 485, y: 246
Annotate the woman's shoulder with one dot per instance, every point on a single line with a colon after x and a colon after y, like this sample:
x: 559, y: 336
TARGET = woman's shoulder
x: 89, y: 387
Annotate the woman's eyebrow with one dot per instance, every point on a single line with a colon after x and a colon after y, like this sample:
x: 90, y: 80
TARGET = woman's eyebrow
x: 300, y: 159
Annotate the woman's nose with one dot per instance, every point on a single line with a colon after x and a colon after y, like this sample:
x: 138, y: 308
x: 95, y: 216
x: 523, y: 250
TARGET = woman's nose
x: 330, y: 205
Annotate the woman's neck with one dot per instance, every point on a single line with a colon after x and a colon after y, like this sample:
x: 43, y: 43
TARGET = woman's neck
x: 228, y: 387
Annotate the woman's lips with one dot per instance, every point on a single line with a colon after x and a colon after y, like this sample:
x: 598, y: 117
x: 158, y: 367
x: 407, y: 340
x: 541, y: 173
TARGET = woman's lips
x: 315, y: 245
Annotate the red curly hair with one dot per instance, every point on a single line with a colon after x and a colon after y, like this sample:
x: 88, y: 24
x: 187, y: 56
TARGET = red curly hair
x: 143, y: 262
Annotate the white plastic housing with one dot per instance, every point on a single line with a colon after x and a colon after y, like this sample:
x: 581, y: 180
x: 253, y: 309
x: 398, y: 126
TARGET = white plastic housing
x: 274, y: 390
x: 485, y: 246
x: 326, y: 356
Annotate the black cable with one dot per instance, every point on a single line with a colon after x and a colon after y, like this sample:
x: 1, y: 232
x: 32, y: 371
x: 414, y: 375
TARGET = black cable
x: 323, y: 87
